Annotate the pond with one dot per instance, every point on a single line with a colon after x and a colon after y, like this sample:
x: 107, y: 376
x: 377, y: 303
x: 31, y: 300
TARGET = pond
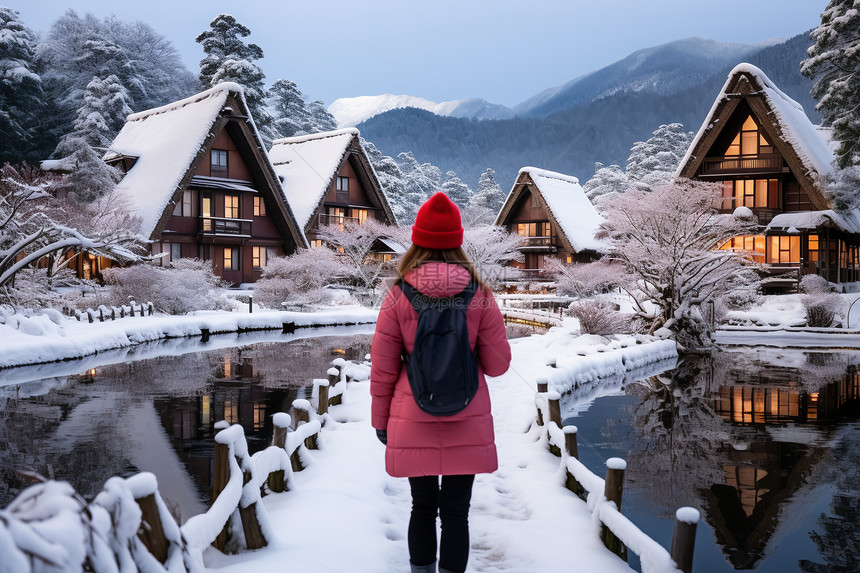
x: 764, y: 443
x: 153, y: 408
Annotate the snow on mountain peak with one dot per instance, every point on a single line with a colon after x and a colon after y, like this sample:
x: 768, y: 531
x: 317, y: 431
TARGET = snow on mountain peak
x: 349, y: 112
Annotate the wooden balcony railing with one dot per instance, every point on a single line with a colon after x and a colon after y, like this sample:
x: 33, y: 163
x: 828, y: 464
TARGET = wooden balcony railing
x: 758, y: 164
x: 323, y: 219
x: 537, y: 243
x: 225, y: 226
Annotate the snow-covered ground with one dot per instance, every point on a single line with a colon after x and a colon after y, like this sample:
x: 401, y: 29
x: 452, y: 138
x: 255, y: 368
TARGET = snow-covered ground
x: 344, y: 513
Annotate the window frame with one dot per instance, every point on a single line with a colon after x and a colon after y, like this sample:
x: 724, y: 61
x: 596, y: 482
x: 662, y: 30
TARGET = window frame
x: 235, y: 259
x: 216, y: 167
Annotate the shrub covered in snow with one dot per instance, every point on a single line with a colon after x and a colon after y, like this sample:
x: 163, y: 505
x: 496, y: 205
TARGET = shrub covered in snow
x: 580, y: 279
x: 821, y: 303
x: 600, y: 317
x: 299, y: 278
x: 187, y: 285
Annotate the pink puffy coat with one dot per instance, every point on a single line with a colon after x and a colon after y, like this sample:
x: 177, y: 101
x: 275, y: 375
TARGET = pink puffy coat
x: 419, y: 443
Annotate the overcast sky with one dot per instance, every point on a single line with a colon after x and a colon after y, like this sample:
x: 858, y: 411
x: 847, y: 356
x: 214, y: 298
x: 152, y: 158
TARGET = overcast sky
x: 504, y: 51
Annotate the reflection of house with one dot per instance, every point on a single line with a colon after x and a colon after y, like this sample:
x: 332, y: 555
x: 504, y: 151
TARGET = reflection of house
x: 328, y: 180
x: 554, y: 217
x: 769, y: 157
x: 197, y: 175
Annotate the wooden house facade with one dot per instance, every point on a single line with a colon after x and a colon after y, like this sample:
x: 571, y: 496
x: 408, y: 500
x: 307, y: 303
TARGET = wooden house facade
x: 196, y: 173
x: 328, y: 180
x: 767, y: 155
x: 553, y: 216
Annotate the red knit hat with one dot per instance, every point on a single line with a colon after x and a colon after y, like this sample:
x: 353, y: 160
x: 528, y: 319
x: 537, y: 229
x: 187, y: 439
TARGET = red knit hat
x: 438, y: 225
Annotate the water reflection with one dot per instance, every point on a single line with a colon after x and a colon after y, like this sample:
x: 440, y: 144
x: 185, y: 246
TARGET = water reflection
x: 156, y: 414
x: 759, y: 441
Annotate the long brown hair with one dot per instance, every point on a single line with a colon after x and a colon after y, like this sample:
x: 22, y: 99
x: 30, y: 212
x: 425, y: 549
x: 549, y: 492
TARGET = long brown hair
x: 416, y: 256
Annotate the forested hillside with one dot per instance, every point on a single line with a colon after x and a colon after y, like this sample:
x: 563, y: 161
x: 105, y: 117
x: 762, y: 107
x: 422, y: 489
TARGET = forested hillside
x: 572, y: 140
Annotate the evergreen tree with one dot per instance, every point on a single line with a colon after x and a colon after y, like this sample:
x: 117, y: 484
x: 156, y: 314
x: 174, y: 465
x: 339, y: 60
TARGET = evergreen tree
x: 456, y: 190
x: 391, y: 180
x: 606, y: 183
x: 488, y: 194
x: 292, y: 115
x: 834, y: 59
x: 229, y: 59
x: 422, y: 179
x: 654, y: 161
x: 103, y: 112
x: 90, y: 178
x: 20, y: 88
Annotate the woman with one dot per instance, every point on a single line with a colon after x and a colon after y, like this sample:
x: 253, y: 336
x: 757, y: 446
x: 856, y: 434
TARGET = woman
x: 421, y: 446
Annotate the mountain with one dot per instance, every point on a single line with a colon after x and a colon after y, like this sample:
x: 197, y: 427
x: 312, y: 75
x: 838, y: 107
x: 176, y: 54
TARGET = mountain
x: 597, y: 117
x: 349, y: 112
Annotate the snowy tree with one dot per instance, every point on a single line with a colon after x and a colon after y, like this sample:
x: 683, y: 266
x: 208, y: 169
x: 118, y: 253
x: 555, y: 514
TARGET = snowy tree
x: 353, y: 242
x: 20, y: 88
x: 654, y: 161
x: 422, y: 179
x: 291, y: 115
x: 185, y: 286
x: 456, y: 190
x: 76, y: 49
x: 606, y: 183
x: 391, y: 179
x: 229, y: 59
x: 88, y: 177
x: 491, y: 248
x: 29, y: 232
x: 488, y: 194
x: 299, y: 278
x: 667, y: 239
x: 843, y: 188
x: 103, y: 112
x: 834, y: 63
x: 585, y: 280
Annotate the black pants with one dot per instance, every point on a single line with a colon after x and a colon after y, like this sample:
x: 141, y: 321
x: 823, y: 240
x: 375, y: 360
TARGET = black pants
x: 451, y: 503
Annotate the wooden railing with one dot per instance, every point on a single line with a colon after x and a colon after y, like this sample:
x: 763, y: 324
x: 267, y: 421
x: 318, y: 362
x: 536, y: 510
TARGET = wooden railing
x: 225, y: 226
x: 758, y: 164
x: 49, y: 526
x: 603, y: 496
x: 103, y: 313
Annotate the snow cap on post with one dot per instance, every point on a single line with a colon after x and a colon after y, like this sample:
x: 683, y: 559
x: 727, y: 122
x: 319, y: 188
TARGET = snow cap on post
x: 438, y: 224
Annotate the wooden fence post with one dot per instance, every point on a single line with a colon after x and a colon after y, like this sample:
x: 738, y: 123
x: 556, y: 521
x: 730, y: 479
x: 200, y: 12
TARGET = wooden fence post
x: 322, y: 396
x: 684, y: 538
x: 554, y: 399
x: 220, y: 477
x: 151, y: 531
x: 302, y: 415
x: 254, y: 538
x: 572, y: 450
x: 333, y: 374
x: 281, y: 422
x: 612, y: 490
x: 542, y: 386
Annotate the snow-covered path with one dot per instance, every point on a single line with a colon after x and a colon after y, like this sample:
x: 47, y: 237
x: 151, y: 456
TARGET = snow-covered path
x: 345, y: 513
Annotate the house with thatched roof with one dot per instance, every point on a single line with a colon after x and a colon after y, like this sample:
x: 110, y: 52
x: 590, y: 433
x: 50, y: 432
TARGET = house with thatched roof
x: 551, y: 213
x: 197, y: 175
x: 760, y: 145
x: 328, y: 180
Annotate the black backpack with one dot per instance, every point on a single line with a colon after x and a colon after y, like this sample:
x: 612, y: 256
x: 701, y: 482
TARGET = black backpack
x: 442, y: 369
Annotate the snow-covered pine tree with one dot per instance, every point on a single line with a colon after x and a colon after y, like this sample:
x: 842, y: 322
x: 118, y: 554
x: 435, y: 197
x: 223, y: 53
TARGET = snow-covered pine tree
x: 654, y: 161
x: 91, y: 178
x: 292, y: 115
x: 456, y: 190
x: 391, y: 180
x: 20, y: 88
x: 103, y: 112
x: 834, y: 62
x: 843, y: 188
x: 606, y: 183
x: 146, y: 62
x: 229, y: 59
x: 488, y: 194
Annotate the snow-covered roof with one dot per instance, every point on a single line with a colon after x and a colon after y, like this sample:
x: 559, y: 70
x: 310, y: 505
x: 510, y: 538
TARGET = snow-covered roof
x: 166, y: 141
x: 306, y: 165
x: 572, y: 210
x: 392, y: 245
x: 806, y: 220
x: 811, y: 143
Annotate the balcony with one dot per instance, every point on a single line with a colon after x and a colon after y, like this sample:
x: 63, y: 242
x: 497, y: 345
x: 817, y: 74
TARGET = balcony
x: 742, y: 165
x: 538, y: 244
x: 224, y: 226
x: 324, y: 220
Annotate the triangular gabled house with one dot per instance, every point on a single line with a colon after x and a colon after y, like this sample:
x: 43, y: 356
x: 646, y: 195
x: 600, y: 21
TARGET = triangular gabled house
x: 769, y: 157
x: 197, y: 174
x: 328, y: 180
x: 554, y: 217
